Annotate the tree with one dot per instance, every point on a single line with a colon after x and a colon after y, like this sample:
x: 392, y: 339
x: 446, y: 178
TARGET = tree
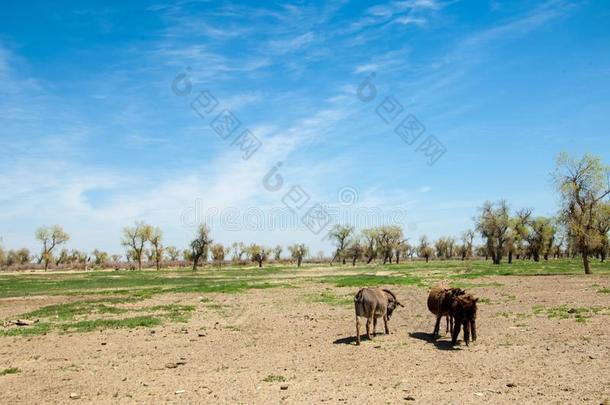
x: 298, y: 252
x: 467, y: 244
x: 583, y: 185
x: 100, y: 258
x: 218, y: 254
x: 540, y: 235
x: 603, y: 226
x: 2, y: 256
x: 173, y: 253
x: 50, y: 238
x: 355, y: 251
x: 134, y: 238
x: 258, y: 254
x: 518, y: 233
x: 424, y: 250
x: 388, y: 238
x: 341, y: 236
x: 370, y: 249
x: 200, y: 245
x: 24, y: 256
x: 63, y: 258
x: 441, y: 247
x: 116, y: 258
x: 277, y: 253
x: 238, y: 249
x: 155, y: 238
x: 402, y: 249
x: 494, y: 224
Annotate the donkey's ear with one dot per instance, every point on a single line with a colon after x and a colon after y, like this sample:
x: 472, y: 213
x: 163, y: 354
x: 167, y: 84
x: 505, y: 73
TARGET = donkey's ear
x: 475, y: 300
x: 399, y: 304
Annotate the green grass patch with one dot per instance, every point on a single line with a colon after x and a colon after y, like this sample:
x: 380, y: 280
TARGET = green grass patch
x: 101, y: 324
x: 566, y: 312
x: 604, y: 291
x: 330, y: 298
x: 66, y: 318
x: 274, y: 378
x: 367, y: 280
x: 10, y: 370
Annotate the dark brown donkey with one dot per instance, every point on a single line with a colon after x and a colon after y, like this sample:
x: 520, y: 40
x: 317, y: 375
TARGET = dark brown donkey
x: 464, y: 313
x: 439, y: 303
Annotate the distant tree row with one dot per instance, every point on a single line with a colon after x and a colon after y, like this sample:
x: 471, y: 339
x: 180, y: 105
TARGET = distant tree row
x: 580, y: 228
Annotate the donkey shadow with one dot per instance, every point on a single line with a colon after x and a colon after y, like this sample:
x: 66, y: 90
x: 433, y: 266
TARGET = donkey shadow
x: 440, y: 344
x: 352, y: 340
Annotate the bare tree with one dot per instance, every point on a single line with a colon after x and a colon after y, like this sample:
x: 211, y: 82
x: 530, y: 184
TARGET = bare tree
x: 200, y: 245
x: 50, y: 238
x: 298, y: 252
x: 583, y: 186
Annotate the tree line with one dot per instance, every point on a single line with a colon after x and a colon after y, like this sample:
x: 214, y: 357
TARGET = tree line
x: 580, y: 228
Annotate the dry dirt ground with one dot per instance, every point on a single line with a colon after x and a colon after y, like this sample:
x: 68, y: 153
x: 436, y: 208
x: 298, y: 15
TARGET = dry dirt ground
x: 284, y: 345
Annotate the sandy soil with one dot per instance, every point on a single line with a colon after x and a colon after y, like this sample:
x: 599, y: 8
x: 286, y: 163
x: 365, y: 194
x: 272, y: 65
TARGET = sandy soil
x: 226, y: 351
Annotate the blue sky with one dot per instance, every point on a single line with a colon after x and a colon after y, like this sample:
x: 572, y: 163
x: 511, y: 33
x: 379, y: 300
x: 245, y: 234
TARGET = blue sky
x: 93, y: 137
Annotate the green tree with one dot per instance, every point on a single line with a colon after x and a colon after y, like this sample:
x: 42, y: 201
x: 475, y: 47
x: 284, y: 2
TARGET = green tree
x: 173, y: 253
x: 583, y: 186
x: 298, y: 252
x: 370, y: 248
x: 156, y: 238
x: 355, y: 251
x: 50, y: 238
x: 258, y: 254
x: 424, y: 249
x: 340, y: 234
x: 218, y: 254
x: 200, y: 245
x: 494, y: 224
x: 135, y: 238
x: 100, y: 258
x: 388, y: 238
x: 277, y: 253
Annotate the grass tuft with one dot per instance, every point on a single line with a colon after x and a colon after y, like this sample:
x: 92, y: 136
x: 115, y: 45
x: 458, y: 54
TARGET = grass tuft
x: 10, y: 370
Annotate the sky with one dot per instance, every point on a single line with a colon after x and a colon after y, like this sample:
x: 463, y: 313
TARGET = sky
x: 273, y: 121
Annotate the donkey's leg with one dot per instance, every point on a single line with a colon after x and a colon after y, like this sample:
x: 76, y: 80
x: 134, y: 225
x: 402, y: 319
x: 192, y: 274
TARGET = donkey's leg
x: 385, y: 323
x: 357, y: 331
x: 457, y: 324
x: 473, y: 330
x: 374, y: 326
x: 436, y: 327
x: 368, y: 328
